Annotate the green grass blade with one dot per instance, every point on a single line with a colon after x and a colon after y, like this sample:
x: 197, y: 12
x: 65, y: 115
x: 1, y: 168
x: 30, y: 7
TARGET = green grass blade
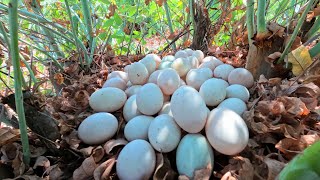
x: 166, y: 7
x: 87, y: 20
x: 315, y: 50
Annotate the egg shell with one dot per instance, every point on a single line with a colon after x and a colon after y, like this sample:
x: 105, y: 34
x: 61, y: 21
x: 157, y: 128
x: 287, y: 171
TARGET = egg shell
x: 108, y: 99
x: 129, y: 84
x: 188, y: 109
x: 241, y: 76
x: 188, y: 51
x: 168, y: 58
x: 180, y: 54
x: 126, y: 69
x: 98, y: 128
x: 234, y: 104
x: 165, y: 65
x: 149, y: 99
x: 150, y: 64
x: 130, y: 109
x: 164, y: 134
x: 208, y: 64
x: 166, y: 109
x: 153, y: 78
x: 136, y: 161
x: 168, y: 81
x: 196, y: 77
x: 138, y: 73
x: 238, y: 91
x: 120, y: 74
x: 182, y: 66
x: 116, y: 82
x: 155, y: 57
x: 226, y: 131
x: 194, y: 153
x: 199, y: 55
x: 193, y: 61
x: 215, y: 60
x: 132, y: 90
x: 223, y: 71
x: 213, y: 91
x: 137, y: 127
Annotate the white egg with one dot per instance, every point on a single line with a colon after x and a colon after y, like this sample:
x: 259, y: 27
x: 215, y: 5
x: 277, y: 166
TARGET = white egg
x: 166, y: 109
x: 165, y: 65
x: 238, y: 91
x: 193, y: 61
x: 132, y: 90
x: 196, y: 77
x: 199, y: 55
x: 188, y: 51
x: 223, y: 71
x: 188, y: 109
x: 137, y: 127
x: 129, y: 84
x: 116, y: 82
x: 130, y: 109
x: 208, y: 64
x: 181, y: 54
x: 120, y: 74
x: 153, y: 78
x: 155, y: 57
x: 213, y: 91
x: 182, y: 82
x: 126, y: 69
x: 108, y: 99
x: 168, y: 58
x: 226, y: 131
x: 215, y: 60
x: 168, y: 81
x: 138, y: 73
x: 164, y: 134
x: 194, y: 153
x: 241, y: 76
x: 137, y: 160
x: 149, y: 99
x: 234, y: 104
x: 182, y: 66
x: 98, y: 128
x: 150, y: 64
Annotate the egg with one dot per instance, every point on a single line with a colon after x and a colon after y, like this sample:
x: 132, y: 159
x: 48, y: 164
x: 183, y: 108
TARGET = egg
x: 168, y: 81
x: 150, y: 64
x: 129, y: 84
x: 194, y: 153
x: 213, y: 91
x: 168, y: 58
x: 241, y: 76
x: 198, y: 54
x: 108, y: 99
x: 238, y: 91
x: 153, y: 78
x: 132, y: 90
x: 166, y: 109
x: 226, y: 131
x: 164, y: 134
x: 223, y: 71
x: 116, y: 82
x: 98, y: 128
x: 196, y: 77
x: 234, y: 104
x: 126, y: 69
x: 215, y: 60
x: 120, y: 74
x: 182, y: 82
x: 137, y: 127
x: 188, y: 109
x: 149, y: 99
x: 137, y: 160
x: 193, y: 61
x: 138, y: 73
x: 208, y: 64
x: 182, y: 66
x: 181, y: 54
x: 165, y: 65
x: 130, y: 109
x: 155, y: 57
x: 188, y: 51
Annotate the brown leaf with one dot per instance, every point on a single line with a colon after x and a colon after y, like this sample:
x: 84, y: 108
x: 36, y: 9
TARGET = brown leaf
x: 72, y: 68
x: 109, y: 145
x: 147, y: 2
x: 98, y: 153
x: 59, y: 78
x: 294, y: 106
x: 275, y: 28
x: 173, y: 35
x: 42, y: 162
x: 163, y: 168
x: 85, y: 171
x: 102, y: 172
x: 274, y: 167
x: 228, y: 176
x: 273, y: 57
x: 8, y: 135
x: 112, y: 9
x: 72, y: 139
x: 37, y: 151
x: 82, y: 98
x: 87, y: 151
x: 17, y: 164
x: 160, y: 2
x: 241, y: 165
x: 55, y: 172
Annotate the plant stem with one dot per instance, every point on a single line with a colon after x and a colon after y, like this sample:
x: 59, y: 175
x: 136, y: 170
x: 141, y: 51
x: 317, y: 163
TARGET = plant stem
x: 13, y: 24
x: 250, y: 20
x: 315, y: 50
x: 314, y: 29
x: 131, y: 31
x: 261, y: 21
x: 87, y: 21
x: 5, y: 36
x: 295, y: 32
x: 166, y: 7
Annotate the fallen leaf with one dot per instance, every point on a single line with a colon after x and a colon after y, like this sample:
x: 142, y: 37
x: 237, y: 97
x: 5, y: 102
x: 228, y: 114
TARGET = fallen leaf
x: 72, y: 139
x: 300, y: 60
x: 82, y: 98
x: 98, y: 153
x: 228, y: 176
x: 275, y: 28
x: 274, y: 167
x: 8, y: 135
x: 160, y: 2
x: 112, y: 9
x: 42, y: 162
x: 163, y: 168
x: 85, y: 171
x: 59, y: 78
x: 294, y: 106
x: 109, y: 145
x: 55, y: 172
x: 102, y: 172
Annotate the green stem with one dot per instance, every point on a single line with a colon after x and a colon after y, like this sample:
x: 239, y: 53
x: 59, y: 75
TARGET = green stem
x: 314, y: 29
x: 131, y: 31
x: 315, y: 50
x: 250, y: 19
x: 13, y: 24
x: 87, y: 21
x: 261, y: 21
x: 33, y: 77
x: 295, y: 32
x: 5, y: 36
x: 166, y: 7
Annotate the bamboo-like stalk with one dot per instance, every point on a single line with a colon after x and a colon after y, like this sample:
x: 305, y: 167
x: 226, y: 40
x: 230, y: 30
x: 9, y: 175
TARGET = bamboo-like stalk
x: 250, y: 20
x: 295, y: 32
x: 315, y: 50
x: 14, y: 53
x: 4, y: 33
x: 87, y: 20
x: 261, y: 21
x: 166, y: 7
x: 314, y: 29
x: 131, y: 31
x: 33, y: 77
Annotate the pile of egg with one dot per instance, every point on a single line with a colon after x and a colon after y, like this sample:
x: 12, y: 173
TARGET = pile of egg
x: 161, y: 98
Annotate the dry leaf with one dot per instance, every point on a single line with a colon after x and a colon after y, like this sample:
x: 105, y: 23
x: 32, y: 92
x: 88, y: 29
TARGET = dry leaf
x: 160, y: 2
x: 163, y: 168
x: 55, y: 172
x: 300, y: 59
x: 98, y: 153
x: 275, y: 28
x: 228, y: 176
x: 273, y: 57
x: 147, y: 2
x: 102, y: 172
x: 72, y: 139
x: 42, y: 162
x: 85, y: 171
x: 112, y: 9
x: 109, y: 145
x: 8, y: 135
x: 59, y: 78
x: 82, y: 98
x: 274, y: 167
